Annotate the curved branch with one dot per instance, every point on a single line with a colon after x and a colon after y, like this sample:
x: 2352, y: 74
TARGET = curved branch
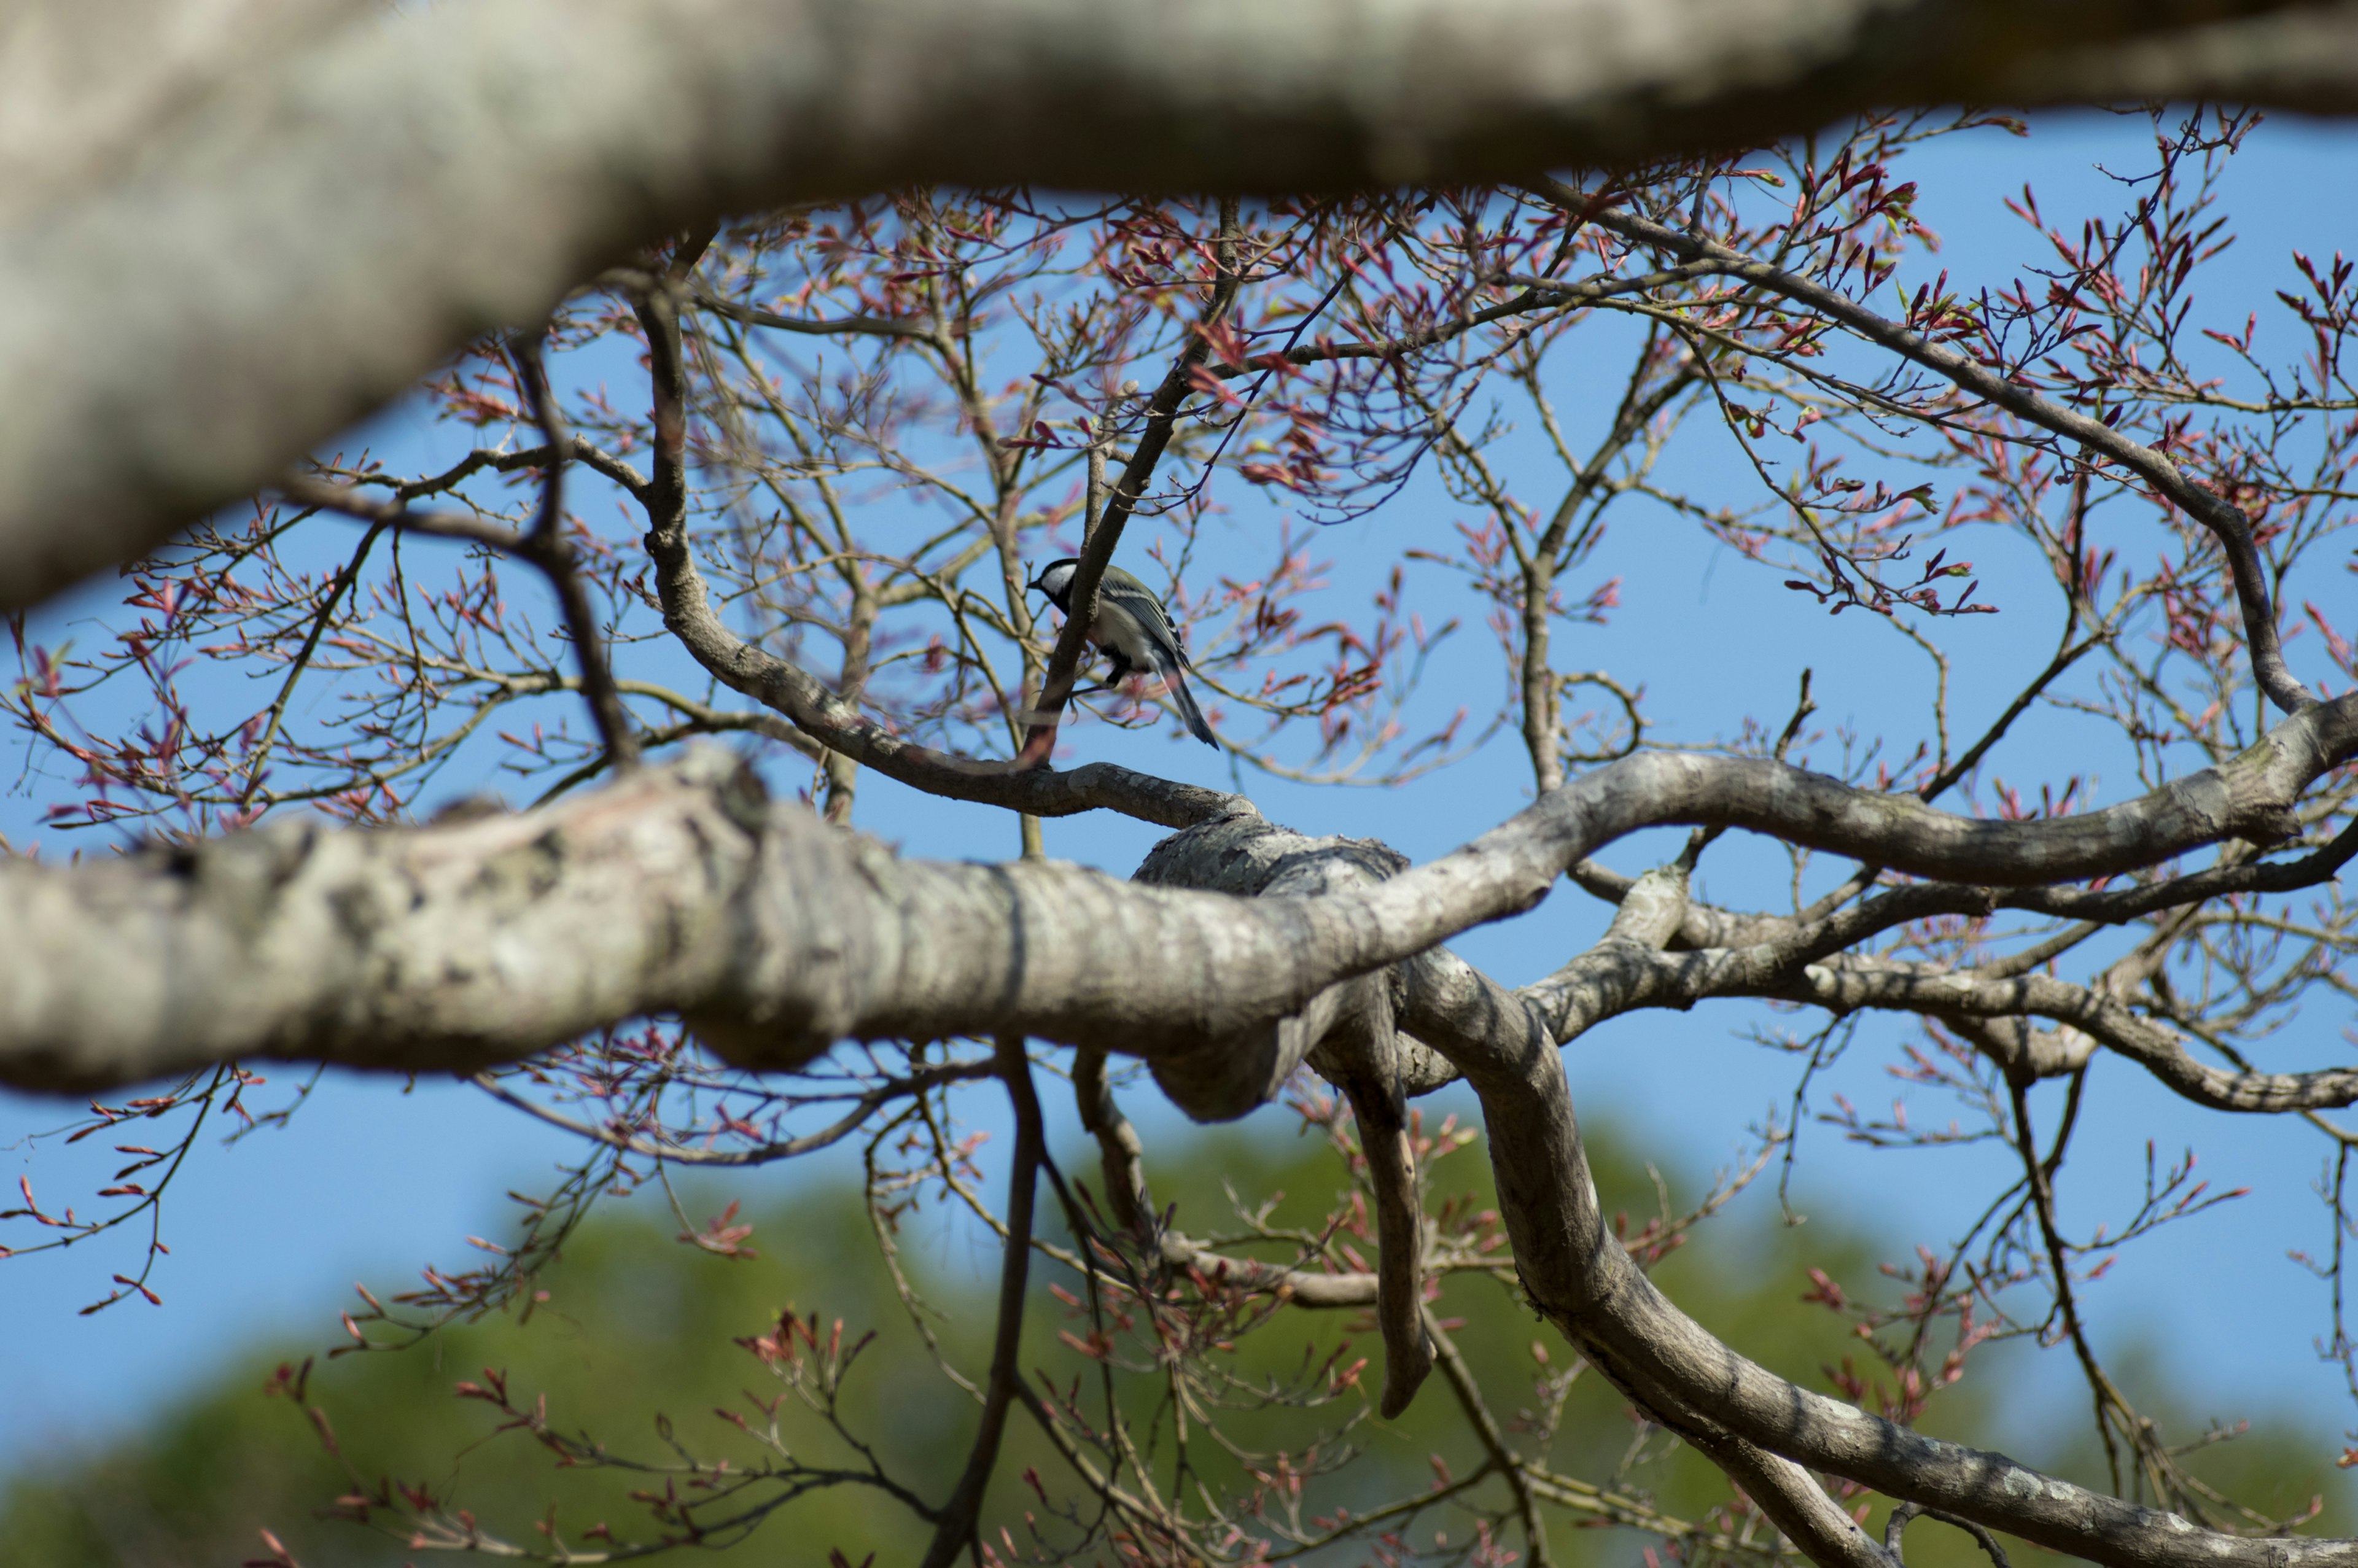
x: 1618, y: 977
x: 1704, y: 926
x: 1510, y: 868
x: 836, y: 326
x: 2152, y: 1045
x: 1578, y: 1275
x: 1898, y: 1523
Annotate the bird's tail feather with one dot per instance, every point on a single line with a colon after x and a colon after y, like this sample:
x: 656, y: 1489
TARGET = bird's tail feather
x: 1193, y: 715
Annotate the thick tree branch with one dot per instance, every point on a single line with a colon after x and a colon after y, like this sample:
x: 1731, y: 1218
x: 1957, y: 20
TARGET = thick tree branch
x: 298, y: 229
x: 83, y: 84
x: 1579, y: 1276
x: 464, y: 946
x: 2304, y: 58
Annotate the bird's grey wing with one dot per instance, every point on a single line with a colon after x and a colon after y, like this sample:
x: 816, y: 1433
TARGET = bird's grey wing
x: 1160, y: 622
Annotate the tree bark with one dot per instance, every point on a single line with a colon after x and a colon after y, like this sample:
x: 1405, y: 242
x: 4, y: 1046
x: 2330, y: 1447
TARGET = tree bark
x: 319, y: 224
x: 685, y: 889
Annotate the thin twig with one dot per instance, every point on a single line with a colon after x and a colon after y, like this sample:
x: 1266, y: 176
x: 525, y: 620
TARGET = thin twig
x: 956, y: 1529
x: 686, y: 1154
x: 549, y: 547
x: 1909, y: 1510
x: 1460, y: 1378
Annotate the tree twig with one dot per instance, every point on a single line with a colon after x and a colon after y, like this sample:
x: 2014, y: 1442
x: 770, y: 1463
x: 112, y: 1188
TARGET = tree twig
x: 955, y: 1527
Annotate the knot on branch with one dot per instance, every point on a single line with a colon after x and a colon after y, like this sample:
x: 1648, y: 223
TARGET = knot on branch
x: 1348, y: 1033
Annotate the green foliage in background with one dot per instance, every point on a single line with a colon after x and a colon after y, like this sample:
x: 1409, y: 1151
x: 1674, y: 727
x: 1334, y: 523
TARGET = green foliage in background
x: 641, y: 1340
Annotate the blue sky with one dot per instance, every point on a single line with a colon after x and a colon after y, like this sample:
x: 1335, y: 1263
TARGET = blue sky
x: 374, y: 1177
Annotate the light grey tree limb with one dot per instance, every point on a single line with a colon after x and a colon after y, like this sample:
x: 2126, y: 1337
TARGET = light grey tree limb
x: 462, y: 946
x: 1728, y: 955
x: 1628, y: 969
x: 1703, y: 924
x: 1757, y: 1425
x: 84, y: 83
x: 297, y: 240
x: 2151, y: 1044
x: 2304, y: 59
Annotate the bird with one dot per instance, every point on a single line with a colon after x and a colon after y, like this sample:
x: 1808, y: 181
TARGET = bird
x: 1135, y: 631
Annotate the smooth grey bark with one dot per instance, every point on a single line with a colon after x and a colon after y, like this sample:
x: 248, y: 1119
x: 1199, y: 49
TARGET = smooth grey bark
x: 83, y: 82
x: 2304, y: 59
x: 296, y: 242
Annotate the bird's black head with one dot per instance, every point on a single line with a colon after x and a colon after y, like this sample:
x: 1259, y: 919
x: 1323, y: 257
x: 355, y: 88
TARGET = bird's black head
x: 1055, y: 580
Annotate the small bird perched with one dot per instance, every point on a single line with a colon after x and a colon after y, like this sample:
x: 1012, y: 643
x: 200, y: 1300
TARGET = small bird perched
x: 1135, y: 631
